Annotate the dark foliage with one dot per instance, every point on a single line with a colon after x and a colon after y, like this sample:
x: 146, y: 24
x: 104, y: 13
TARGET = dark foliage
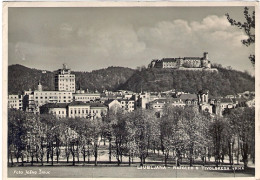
x: 249, y: 28
x: 21, y: 78
x: 225, y: 82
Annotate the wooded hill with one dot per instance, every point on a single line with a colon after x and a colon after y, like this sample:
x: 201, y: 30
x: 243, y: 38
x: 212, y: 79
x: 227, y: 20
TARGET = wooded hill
x: 223, y: 82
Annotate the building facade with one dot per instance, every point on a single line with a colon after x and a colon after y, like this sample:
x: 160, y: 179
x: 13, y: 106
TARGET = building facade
x: 64, y: 80
x: 185, y: 63
x: 15, y: 101
x: 86, y: 97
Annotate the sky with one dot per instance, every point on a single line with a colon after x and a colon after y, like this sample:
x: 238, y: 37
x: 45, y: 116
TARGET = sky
x: 91, y: 38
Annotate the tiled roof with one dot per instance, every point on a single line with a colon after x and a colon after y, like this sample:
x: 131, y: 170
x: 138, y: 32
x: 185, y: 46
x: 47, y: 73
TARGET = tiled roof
x: 107, y: 102
x: 96, y: 105
x: 226, y: 100
x: 77, y: 103
x: 55, y: 105
x: 166, y: 100
x: 195, y: 58
x: 188, y: 96
x: 169, y: 59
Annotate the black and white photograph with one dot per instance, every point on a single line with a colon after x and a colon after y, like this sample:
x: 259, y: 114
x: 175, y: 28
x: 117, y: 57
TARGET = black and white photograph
x: 144, y: 90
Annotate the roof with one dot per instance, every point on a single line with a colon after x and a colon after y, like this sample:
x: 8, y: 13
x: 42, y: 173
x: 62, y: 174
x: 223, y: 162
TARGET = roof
x: 169, y: 59
x: 86, y: 94
x: 195, y: 58
x: 77, y: 103
x: 55, y: 105
x: 96, y: 105
x: 188, y: 96
x: 107, y: 102
x: 203, y: 91
x: 226, y: 100
x: 165, y: 100
x: 120, y: 100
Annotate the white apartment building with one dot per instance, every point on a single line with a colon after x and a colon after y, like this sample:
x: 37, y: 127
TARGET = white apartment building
x: 80, y: 95
x: 64, y: 80
x: 15, y: 101
x: 127, y: 104
x: 86, y: 110
x: 57, y: 109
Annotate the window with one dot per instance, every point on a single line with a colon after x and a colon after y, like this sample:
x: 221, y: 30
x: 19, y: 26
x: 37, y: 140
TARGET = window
x: 71, y: 112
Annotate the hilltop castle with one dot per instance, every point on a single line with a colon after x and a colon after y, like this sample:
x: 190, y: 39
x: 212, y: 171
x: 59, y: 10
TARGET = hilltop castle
x: 185, y: 63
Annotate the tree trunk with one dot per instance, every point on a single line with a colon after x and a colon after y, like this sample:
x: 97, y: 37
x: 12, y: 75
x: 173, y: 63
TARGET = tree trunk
x: 22, y: 160
x: 110, y: 149
x: 32, y: 160
x: 12, y: 162
x: 48, y: 154
x: 52, y: 154
x: 238, y: 148
x: 165, y: 159
x: 141, y: 163
x: 42, y: 160
x: 129, y: 160
x: 73, y: 155
x: 96, y: 154
x: 84, y: 155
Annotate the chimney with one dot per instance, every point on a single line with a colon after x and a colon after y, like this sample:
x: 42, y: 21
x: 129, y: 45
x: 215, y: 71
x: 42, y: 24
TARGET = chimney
x: 206, y: 55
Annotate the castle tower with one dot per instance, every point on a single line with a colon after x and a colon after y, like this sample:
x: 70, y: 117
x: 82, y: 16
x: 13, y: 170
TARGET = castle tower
x: 205, y: 60
x: 206, y: 55
x: 39, y: 87
x: 203, y: 96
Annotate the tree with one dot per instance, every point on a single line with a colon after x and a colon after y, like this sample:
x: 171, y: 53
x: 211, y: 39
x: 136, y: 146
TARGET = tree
x: 242, y: 120
x: 249, y: 28
x: 142, y: 124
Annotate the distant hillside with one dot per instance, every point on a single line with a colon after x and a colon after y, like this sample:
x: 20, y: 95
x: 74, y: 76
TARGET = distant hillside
x: 224, y: 82
x: 109, y: 78
x: 23, y: 78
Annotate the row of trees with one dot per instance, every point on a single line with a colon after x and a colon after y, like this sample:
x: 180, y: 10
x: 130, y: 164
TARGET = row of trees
x: 178, y: 133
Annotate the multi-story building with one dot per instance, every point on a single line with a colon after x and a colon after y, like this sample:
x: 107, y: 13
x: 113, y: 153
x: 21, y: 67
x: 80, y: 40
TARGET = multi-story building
x: 127, y: 104
x: 44, y: 97
x: 86, y: 97
x: 185, y: 63
x: 28, y: 101
x: 75, y: 109
x: 57, y: 109
x: 15, y: 101
x: 86, y: 110
x: 64, y: 80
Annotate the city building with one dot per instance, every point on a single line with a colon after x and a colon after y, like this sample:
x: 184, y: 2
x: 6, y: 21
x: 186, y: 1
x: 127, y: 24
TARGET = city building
x: 86, y: 97
x: 57, y: 109
x: 185, y: 63
x: 64, y: 80
x: 75, y: 109
x: 15, y: 101
x: 127, y: 104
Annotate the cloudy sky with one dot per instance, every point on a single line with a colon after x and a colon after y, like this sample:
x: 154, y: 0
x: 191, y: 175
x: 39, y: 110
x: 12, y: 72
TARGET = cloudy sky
x: 87, y: 39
